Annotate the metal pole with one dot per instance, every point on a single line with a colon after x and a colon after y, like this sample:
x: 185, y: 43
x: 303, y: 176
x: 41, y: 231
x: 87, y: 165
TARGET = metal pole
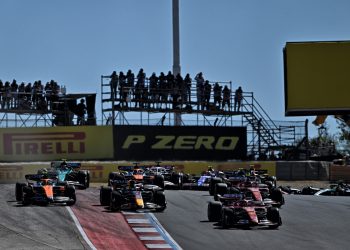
x: 176, y: 51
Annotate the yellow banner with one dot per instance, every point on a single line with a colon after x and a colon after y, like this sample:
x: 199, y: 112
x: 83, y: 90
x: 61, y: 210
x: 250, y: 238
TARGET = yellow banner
x: 47, y: 144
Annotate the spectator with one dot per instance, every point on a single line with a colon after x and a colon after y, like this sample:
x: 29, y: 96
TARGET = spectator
x: 169, y: 83
x: 226, y: 93
x: 138, y: 92
x: 123, y: 89
x: 200, y: 89
x: 114, y: 85
x: 207, y: 93
x: 238, y: 99
x: 130, y: 80
x: 6, y: 95
x: 176, y: 91
x: 14, y: 95
x: 217, y: 95
x: 80, y: 111
x: 153, y: 90
x: 188, y: 83
x: 163, y: 89
x: 141, y: 78
x: 2, y: 89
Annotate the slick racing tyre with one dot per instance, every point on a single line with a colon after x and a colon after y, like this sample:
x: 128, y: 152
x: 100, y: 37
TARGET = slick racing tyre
x: 226, y: 217
x: 105, y: 196
x: 70, y: 192
x: 84, y: 178
x: 159, y: 180
x: 214, y: 211
x: 115, y: 201
x: 19, y: 191
x: 273, y: 215
x: 159, y: 199
x: 220, y: 189
x: 212, y: 184
x: 27, y: 196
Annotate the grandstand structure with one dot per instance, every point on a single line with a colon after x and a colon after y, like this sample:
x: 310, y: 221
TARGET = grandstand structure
x: 264, y: 136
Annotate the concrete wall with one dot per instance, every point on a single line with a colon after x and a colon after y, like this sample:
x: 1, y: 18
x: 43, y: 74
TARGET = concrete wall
x: 302, y: 170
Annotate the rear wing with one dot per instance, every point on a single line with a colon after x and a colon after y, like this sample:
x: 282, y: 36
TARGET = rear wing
x: 229, y: 198
x: 70, y: 164
x: 131, y: 168
x: 38, y: 177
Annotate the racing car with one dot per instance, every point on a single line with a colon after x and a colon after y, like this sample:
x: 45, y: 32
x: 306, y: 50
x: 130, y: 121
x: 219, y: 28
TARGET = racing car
x: 255, y: 191
x: 44, y: 189
x: 234, y: 210
x: 126, y: 193
x: 69, y: 171
x: 238, y: 182
x: 141, y: 174
x: 172, y: 179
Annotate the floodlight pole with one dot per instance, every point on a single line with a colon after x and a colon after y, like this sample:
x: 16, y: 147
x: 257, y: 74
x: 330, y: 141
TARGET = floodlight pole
x: 176, y: 51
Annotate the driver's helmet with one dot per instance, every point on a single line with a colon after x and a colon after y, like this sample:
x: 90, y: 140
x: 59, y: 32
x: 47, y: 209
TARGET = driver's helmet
x: 269, y: 184
x: 221, y: 174
x: 43, y: 171
x: 64, y: 165
x: 210, y: 169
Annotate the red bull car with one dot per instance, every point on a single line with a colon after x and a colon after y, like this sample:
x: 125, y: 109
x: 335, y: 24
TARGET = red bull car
x: 43, y: 190
x: 126, y: 193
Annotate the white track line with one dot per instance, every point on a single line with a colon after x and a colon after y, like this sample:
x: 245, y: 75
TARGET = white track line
x: 160, y: 227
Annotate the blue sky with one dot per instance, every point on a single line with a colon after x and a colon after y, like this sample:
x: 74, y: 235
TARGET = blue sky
x: 76, y: 41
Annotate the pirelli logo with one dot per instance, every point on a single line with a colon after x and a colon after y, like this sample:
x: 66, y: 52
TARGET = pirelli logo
x: 19, y: 144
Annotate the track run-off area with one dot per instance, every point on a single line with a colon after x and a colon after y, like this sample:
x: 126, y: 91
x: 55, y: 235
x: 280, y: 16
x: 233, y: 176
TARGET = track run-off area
x: 309, y: 222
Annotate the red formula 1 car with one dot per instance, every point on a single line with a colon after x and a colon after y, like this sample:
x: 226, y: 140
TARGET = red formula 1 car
x: 233, y: 210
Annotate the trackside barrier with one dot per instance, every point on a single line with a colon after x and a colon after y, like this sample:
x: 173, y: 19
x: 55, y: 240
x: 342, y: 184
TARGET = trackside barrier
x: 283, y: 170
x: 337, y: 172
x: 302, y: 170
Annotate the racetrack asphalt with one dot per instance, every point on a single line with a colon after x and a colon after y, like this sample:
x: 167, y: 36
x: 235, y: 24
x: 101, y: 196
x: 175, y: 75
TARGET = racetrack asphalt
x: 309, y: 222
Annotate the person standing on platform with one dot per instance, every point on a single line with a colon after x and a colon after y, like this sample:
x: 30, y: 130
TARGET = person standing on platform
x: 238, y: 99
x: 81, y: 110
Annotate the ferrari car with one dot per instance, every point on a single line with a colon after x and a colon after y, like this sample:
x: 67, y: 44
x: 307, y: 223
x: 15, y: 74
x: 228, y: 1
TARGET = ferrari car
x: 234, y: 210
x: 70, y: 172
x: 44, y: 189
x: 126, y: 193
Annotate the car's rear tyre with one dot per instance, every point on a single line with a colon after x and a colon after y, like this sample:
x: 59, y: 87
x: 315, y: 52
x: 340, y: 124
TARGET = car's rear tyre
x: 84, y: 178
x: 105, y: 196
x: 212, y: 184
x: 19, y: 191
x: 115, y: 201
x: 220, y: 189
x: 27, y: 196
x: 226, y: 217
x: 159, y: 180
x: 277, y: 196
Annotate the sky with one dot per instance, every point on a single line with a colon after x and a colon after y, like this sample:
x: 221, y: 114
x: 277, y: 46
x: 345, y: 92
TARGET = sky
x: 74, y: 42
